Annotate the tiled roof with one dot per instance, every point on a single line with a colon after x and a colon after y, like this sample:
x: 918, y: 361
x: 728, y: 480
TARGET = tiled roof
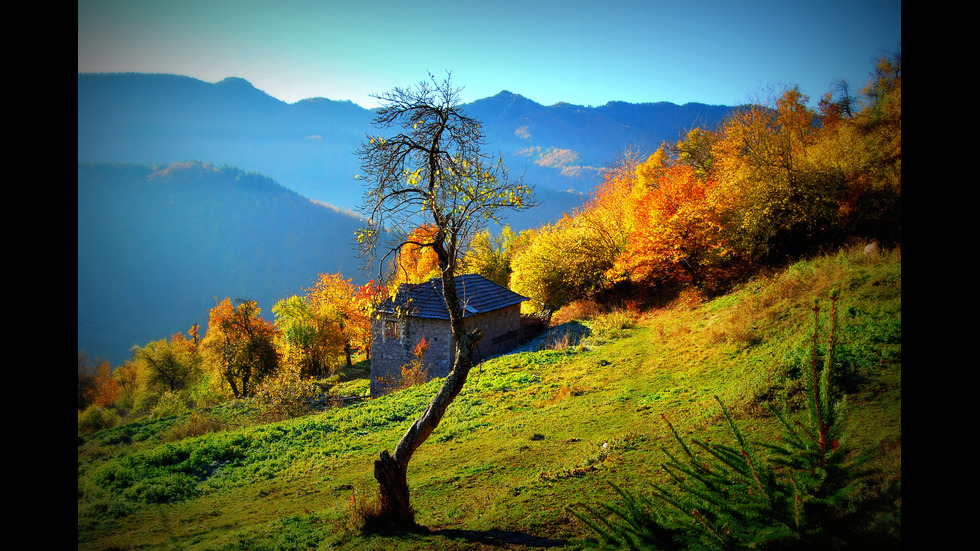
x: 476, y: 293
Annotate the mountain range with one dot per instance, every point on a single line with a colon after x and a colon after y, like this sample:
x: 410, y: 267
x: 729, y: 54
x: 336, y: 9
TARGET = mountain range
x: 308, y: 146
x: 190, y: 191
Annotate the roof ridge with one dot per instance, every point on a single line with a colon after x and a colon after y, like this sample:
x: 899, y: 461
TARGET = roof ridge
x: 476, y: 294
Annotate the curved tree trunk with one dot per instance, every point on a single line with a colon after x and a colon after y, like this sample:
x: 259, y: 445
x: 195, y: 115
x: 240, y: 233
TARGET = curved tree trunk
x: 391, y: 472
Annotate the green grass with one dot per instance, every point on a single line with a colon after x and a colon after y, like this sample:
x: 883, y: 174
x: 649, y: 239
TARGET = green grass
x: 530, y: 434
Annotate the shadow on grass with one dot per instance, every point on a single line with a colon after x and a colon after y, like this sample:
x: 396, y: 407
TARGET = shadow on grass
x: 498, y: 538
x: 490, y: 538
x: 562, y: 336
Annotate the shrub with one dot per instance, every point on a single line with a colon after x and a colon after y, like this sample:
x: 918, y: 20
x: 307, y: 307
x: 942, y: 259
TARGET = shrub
x: 578, y: 310
x: 415, y: 372
x: 96, y: 418
x: 196, y: 424
x: 166, y: 488
x: 363, y: 514
x: 170, y: 404
x: 286, y: 394
x: 618, y: 319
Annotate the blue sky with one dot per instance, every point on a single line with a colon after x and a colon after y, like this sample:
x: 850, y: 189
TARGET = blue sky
x: 580, y: 52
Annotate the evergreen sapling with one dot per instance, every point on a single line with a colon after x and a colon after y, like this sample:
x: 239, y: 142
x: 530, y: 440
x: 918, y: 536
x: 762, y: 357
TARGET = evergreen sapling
x: 807, y: 492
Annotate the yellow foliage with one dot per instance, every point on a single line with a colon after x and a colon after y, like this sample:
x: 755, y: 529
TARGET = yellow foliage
x: 286, y: 394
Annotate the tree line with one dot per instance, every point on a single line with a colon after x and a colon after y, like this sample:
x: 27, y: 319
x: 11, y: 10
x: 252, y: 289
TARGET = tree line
x: 242, y: 354
x: 776, y: 181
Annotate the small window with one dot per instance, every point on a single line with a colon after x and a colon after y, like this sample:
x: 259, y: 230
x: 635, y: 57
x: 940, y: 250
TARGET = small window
x: 393, y: 329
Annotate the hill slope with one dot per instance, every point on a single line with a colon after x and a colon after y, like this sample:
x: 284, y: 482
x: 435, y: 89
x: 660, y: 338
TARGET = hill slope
x: 531, y: 433
x: 156, y: 246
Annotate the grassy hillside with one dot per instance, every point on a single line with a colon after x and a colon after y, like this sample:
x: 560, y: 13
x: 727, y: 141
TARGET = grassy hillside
x: 531, y: 433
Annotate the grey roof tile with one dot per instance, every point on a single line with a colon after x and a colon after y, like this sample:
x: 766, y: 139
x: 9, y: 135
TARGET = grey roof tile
x: 476, y: 293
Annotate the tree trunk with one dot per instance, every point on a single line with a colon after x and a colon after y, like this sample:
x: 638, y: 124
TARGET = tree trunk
x: 391, y: 472
x: 393, y: 490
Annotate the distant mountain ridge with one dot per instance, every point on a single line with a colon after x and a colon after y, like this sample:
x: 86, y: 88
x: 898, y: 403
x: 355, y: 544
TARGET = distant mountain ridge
x: 309, y: 146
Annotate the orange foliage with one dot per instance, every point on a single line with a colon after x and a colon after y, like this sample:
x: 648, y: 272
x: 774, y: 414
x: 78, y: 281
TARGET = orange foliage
x: 678, y: 232
x: 337, y: 300
x: 415, y: 372
x: 104, y: 390
x: 239, y: 345
x: 418, y: 262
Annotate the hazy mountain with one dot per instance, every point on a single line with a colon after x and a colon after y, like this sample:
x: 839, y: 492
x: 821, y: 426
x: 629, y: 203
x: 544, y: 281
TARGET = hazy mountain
x: 158, y: 119
x: 309, y: 146
x: 157, y: 246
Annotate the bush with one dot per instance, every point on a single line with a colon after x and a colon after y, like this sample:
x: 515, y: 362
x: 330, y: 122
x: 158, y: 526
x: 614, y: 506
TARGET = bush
x: 615, y: 321
x: 582, y: 309
x: 169, y: 404
x: 286, y: 394
x: 415, y: 372
x: 363, y: 514
x: 196, y: 424
x: 166, y: 488
x: 96, y: 418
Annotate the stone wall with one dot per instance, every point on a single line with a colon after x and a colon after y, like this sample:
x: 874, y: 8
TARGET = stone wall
x: 501, y: 331
x: 394, y: 340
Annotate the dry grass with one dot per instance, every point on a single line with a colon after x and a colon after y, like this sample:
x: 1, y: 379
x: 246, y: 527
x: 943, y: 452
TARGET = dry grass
x: 197, y: 423
x: 363, y: 511
x: 578, y: 310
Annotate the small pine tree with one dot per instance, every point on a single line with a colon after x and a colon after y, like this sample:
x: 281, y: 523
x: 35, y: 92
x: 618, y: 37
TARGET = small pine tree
x: 807, y: 494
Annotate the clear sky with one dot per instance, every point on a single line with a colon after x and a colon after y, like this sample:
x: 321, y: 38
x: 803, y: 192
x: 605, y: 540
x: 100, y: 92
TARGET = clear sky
x: 576, y: 51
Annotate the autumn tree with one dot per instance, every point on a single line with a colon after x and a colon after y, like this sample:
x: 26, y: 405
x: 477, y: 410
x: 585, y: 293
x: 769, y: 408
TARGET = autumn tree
x: 129, y: 377
x: 861, y: 136
x: 777, y: 203
x: 337, y: 300
x: 559, y: 263
x: 163, y: 366
x: 416, y: 262
x: 306, y: 340
x: 570, y: 258
x: 490, y: 255
x: 695, y: 150
x: 239, y: 345
x: 170, y: 363
x: 428, y: 168
x: 608, y: 218
x: 96, y: 385
x: 678, y: 235
x: 328, y: 322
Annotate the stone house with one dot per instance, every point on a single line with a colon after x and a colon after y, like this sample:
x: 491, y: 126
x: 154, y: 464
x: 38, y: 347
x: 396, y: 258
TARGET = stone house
x: 419, y: 311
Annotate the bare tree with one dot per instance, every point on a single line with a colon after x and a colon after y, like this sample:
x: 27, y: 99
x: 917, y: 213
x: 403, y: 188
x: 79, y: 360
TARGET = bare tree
x: 430, y: 171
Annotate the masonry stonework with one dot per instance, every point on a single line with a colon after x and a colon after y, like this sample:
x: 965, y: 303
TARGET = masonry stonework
x: 418, y: 311
x: 394, y: 340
